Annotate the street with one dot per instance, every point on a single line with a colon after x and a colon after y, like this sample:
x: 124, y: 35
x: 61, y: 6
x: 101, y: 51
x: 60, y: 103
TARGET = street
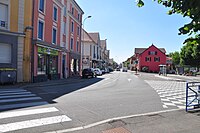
x: 65, y: 106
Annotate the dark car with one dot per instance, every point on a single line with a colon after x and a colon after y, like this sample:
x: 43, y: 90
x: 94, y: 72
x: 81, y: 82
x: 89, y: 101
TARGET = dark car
x: 88, y: 72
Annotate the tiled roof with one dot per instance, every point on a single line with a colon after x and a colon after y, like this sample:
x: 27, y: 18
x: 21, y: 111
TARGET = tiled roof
x: 140, y: 50
x: 103, y: 44
x: 86, y: 37
x: 95, y: 36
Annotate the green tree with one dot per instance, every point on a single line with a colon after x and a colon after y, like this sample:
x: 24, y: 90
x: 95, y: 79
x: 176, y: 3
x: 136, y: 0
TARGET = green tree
x: 190, y: 54
x: 175, y: 57
x: 187, y: 8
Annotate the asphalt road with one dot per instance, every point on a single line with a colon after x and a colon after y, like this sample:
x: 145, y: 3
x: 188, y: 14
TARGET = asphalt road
x: 89, y: 101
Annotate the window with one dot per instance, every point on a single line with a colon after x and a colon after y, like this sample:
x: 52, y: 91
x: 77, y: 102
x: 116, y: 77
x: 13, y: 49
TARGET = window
x: 41, y: 64
x: 55, y: 13
x: 77, y: 46
x: 78, y: 30
x: 78, y: 16
x: 72, y: 10
x: 54, y: 38
x: 71, y: 43
x: 147, y: 59
x: 72, y: 27
x: 3, y: 16
x: 64, y: 28
x: 41, y: 5
x: 5, y: 54
x: 157, y: 59
x: 152, y: 52
x: 65, y: 11
x: 40, y: 30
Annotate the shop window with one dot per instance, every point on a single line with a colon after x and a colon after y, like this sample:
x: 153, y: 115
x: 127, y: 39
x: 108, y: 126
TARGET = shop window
x: 41, y: 64
x: 53, y: 67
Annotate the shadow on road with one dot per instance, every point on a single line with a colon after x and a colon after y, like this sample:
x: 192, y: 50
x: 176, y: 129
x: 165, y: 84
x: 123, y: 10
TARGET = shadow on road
x: 40, y: 93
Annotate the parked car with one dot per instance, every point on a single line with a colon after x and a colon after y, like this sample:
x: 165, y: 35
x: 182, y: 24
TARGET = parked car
x: 124, y: 69
x: 88, y: 72
x: 98, y: 71
x: 118, y: 69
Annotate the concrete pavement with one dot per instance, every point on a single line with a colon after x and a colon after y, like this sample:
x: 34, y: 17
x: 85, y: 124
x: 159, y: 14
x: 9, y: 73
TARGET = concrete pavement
x: 170, y: 121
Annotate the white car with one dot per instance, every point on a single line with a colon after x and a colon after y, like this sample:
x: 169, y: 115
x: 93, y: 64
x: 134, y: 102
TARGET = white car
x: 98, y: 71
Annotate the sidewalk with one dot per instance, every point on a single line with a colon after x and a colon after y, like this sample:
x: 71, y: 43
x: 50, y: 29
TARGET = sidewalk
x: 46, y: 83
x: 174, y: 121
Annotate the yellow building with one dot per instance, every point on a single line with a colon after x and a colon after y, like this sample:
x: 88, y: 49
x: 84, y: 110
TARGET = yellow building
x: 15, y: 39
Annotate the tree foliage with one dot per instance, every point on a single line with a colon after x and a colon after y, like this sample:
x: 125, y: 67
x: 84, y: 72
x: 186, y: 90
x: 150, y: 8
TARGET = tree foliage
x: 187, y: 8
x: 190, y: 54
x: 175, y: 57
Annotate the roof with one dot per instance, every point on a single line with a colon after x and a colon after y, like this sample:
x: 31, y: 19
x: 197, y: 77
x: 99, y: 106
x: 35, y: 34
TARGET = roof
x: 103, y: 44
x: 141, y: 50
x: 86, y: 37
x: 95, y: 36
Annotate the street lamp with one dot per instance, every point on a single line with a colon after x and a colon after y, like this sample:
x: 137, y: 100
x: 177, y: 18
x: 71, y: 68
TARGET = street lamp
x: 82, y: 54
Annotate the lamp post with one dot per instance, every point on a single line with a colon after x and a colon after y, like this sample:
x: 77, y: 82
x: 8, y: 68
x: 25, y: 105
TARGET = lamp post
x: 82, y: 54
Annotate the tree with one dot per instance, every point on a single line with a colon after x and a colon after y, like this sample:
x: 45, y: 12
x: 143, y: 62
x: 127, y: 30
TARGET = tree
x: 187, y: 8
x: 190, y: 54
x: 175, y: 57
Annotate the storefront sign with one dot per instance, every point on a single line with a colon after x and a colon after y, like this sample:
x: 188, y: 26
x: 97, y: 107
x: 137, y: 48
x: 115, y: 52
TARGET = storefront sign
x: 43, y: 50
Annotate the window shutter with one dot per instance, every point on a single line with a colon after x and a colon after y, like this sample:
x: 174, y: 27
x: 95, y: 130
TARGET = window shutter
x: 149, y: 52
x: 5, y: 54
x: 156, y: 53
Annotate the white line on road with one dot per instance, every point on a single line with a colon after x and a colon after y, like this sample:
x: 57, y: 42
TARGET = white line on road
x: 15, y: 96
x: 20, y: 99
x: 129, y: 80
x: 27, y: 112
x: 109, y: 120
x: 3, y: 94
x: 20, y: 105
x: 33, y: 123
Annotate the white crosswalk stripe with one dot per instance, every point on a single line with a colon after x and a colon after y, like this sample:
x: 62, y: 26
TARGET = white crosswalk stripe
x: 33, y: 122
x: 18, y: 98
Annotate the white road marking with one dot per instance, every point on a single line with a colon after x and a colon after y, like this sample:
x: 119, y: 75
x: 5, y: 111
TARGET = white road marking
x: 11, y: 106
x: 15, y: 93
x: 33, y: 123
x: 129, y: 80
x: 20, y: 99
x: 27, y: 112
x: 8, y: 91
x: 15, y: 96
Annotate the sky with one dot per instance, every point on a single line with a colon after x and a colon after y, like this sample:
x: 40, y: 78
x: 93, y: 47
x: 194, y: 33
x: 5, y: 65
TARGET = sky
x: 126, y: 27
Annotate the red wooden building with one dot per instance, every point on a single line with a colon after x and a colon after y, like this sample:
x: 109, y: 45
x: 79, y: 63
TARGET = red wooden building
x: 149, y: 59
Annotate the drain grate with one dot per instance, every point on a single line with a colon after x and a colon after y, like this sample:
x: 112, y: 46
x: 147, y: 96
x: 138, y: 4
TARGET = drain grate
x: 117, y: 130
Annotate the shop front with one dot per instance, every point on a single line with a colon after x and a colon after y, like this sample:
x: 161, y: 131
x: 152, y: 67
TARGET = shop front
x: 74, y: 64
x: 47, y: 64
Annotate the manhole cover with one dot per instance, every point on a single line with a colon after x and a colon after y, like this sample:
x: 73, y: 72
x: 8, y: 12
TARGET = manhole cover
x: 117, y: 130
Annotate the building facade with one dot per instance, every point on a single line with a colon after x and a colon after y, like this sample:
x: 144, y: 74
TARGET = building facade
x: 47, y: 50
x: 74, y: 13
x: 149, y: 59
x: 15, y: 38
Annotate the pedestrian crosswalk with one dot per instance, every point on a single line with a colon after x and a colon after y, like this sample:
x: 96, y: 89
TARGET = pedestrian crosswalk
x: 16, y: 120
x: 18, y: 98
x: 36, y: 119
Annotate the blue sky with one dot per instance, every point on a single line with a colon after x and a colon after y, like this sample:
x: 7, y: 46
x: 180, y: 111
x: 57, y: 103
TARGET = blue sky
x: 125, y: 26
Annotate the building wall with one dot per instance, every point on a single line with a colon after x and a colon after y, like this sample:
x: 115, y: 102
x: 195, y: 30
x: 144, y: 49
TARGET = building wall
x: 28, y: 6
x: 152, y: 65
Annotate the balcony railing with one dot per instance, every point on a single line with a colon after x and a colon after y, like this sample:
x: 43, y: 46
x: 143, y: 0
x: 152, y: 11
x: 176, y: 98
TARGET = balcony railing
x: 3, y: 24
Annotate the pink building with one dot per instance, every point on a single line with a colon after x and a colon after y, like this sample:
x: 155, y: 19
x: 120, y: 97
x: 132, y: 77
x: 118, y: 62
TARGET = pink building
x: 74, y: 37
x: 47, y: 48
x: 150, y: 58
